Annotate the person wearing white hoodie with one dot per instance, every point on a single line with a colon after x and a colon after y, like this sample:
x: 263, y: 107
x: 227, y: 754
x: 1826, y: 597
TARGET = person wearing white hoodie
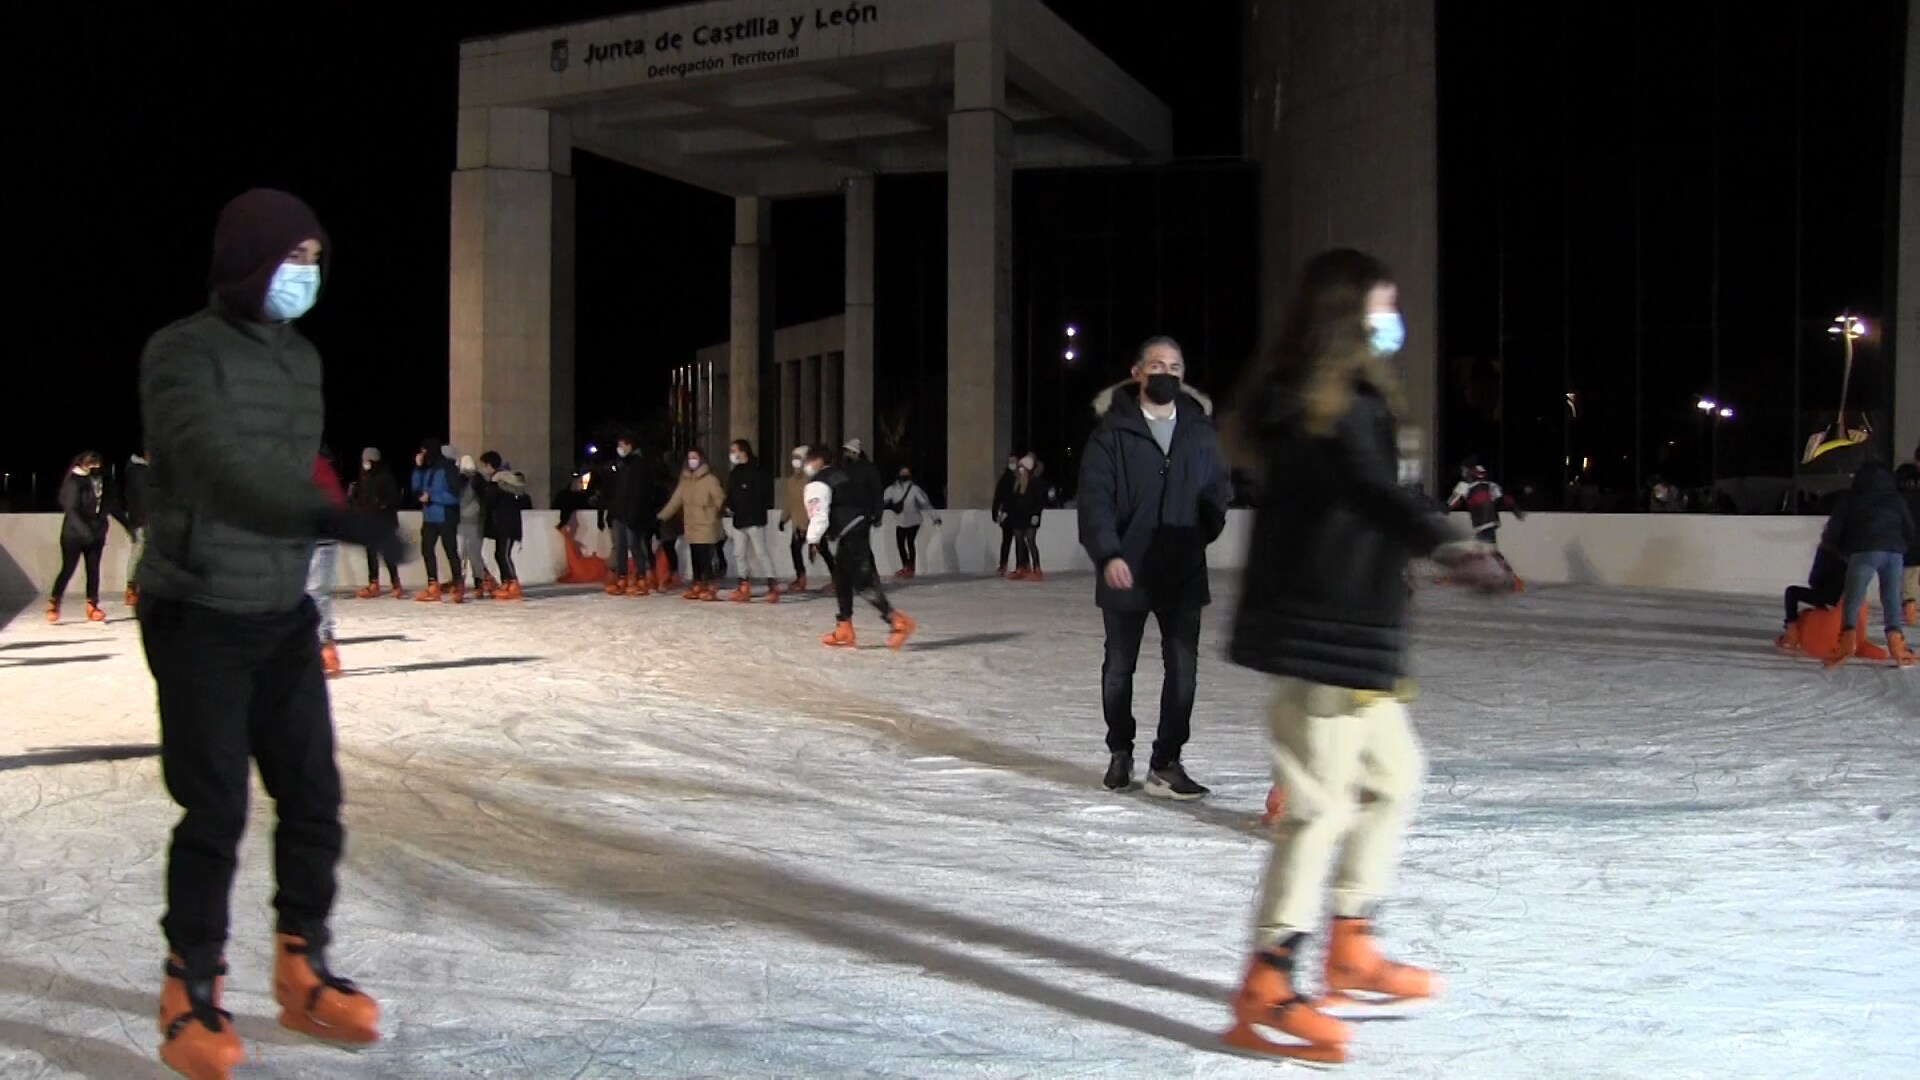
x: 909, y: 501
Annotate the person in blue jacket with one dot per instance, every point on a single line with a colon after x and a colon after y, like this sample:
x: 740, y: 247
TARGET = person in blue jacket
x: 439, y: 518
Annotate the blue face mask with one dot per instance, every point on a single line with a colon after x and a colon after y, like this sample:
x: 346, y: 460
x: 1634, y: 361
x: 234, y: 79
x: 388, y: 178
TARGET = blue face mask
x: 292, y: 292
x: 1386, y: 332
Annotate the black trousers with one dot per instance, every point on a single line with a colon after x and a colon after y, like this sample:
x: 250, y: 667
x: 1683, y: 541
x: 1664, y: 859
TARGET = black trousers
x: 1007, y: 533
x: 72, y: 554
x: 235, y: 689
x: 448, y: 538
x: 852, y: 567
x: 703, y: 564
x: 1027, y: 545
x: 373, y: 570
x: 1179, y: 653
x: 906, y: 538
x: 503, y: 558
x: 797, y: 544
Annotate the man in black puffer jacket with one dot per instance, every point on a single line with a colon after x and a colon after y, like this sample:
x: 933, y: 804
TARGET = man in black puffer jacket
x: 1153, y: 494
x: 231, y: 403
x: 1877, y: 533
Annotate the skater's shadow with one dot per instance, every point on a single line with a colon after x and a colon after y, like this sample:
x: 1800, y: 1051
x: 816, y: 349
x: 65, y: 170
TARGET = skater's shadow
x: 529, y: 838
x: 52, y: 661
x: 966, y: 639
x: 15, y: 646
x: 77, y: 755
x: 439, y: 665
x: 82, y: 1054
x: 372, y: 639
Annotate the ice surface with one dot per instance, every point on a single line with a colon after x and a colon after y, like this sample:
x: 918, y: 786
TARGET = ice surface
x: 618, y: 838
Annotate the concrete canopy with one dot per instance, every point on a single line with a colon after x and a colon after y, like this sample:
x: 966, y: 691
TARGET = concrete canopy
x: 775, y: 98
x: 759, y: 100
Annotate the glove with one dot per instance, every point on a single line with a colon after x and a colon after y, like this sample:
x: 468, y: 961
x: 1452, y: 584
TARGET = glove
x: 364, y: 530
x: 813, y: 552
x: 1475, y: 565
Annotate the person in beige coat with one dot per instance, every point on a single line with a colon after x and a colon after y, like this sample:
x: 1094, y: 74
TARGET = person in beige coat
x: 698, y: 500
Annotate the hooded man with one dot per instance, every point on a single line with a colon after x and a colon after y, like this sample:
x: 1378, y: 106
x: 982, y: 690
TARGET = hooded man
x: 1153, y: 494
x: 436, y: 487
x: 231, y: 403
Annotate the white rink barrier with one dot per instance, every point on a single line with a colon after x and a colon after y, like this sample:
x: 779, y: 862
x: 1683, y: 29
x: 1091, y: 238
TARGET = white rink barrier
x: 1731, y: 554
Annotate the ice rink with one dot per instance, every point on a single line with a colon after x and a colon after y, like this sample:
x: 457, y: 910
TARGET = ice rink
x: 650, y: 838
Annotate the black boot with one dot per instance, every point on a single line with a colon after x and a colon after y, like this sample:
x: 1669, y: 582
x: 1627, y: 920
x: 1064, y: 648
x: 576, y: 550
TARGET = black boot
x: 1119, y: 772
x: 1170, y: 781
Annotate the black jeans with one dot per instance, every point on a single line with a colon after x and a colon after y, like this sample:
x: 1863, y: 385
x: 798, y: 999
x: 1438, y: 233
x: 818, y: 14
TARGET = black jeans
x: 797, y: 543
x: 906, y: 538
x: 852, y: 568
x: 503, y: 558
x: 1007, y: 533
x: 373, y: 570
x: 1027, y: 547
x: 448, y: 536
x: 703, y: 567
x: 71, y: 556
x: 233, y: 688
x: 1179, y: 652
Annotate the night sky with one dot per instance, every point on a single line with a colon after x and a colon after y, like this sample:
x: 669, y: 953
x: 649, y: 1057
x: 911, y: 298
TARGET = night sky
x: 151, y: 117
x: 1641, y: 203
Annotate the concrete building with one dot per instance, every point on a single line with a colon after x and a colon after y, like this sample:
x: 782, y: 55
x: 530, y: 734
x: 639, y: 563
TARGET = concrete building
x: 761, y: 100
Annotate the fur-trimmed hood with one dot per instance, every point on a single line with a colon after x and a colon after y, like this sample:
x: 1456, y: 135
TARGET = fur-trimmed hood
x: 1104, y: 401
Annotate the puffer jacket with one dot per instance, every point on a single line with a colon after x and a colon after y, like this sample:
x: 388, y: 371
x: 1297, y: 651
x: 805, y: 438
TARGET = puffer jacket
x: 1323, y: 597
x: 232, y: 410
x: 83, y: 497
x: 698, y: 499
x: 1157, y: 510
x: 749, y: 494
x: 1877, y: 518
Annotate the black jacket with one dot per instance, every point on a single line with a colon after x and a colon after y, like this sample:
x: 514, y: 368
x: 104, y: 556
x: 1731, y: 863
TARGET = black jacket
x: 1023, y: 508
x: 749, y: 495
x: 377, y: 492
x: 1002, y: 491
x: 1877, y: 518
x: 502, y: 500
x: 629, y: 492
x: 133, y: 493
x: 84, y: 500
x: 864, y: 489
x: 1907, y: 479
x: 1158, y: 511
x: 1324, y: 596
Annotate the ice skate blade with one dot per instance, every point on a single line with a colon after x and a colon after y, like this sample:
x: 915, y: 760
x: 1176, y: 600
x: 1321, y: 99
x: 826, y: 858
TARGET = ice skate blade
x: 302, y: 1024
x: 201, y: 1069
x: 1246, y: 1038
x: 1359, y: 1005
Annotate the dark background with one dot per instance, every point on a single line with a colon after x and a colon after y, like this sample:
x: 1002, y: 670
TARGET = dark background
x: 1640, y: 203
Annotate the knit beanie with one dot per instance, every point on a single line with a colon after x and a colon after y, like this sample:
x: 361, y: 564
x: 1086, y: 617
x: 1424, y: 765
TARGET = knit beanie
x: 252, y: 238
x: 371, y: 453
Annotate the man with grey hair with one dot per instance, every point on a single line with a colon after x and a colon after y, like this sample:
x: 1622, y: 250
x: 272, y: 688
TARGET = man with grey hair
x: 1153, y: 494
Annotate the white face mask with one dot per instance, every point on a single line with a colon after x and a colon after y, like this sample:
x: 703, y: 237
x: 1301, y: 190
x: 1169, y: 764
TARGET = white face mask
x: 693, y: 464
x: 810, y: 469
x: 737, y: 458
x: 291, y: 292
x: 798, y: 464
x: 623, y: 451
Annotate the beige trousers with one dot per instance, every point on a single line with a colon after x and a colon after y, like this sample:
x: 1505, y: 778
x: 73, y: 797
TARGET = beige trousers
x: 1910, y: 583
x: 1350, y: 767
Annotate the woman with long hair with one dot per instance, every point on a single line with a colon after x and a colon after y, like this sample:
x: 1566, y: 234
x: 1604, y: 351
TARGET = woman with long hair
x: 1323, y: 608
x: 83, y: 532
x: 1024, y: 507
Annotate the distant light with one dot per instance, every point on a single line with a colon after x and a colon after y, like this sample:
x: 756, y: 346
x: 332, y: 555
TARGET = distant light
x: 1073, y: 331
x: 1069, y: 354
x: 592, y: 449
x: 1726, y: 414
x: 1707, y: 405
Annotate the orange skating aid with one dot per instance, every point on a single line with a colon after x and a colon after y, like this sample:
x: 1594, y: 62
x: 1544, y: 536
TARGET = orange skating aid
x: 314, y: 1001
x: 1819, y: 635
x: 1267, y: 1001
x: 197, y: 1036
x: 1358, y: 975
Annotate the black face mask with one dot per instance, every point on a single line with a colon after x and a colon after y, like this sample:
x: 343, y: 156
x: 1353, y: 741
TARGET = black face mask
x: 1162, y: 389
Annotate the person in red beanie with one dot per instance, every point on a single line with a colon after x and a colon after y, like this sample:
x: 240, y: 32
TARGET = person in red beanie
x: 231, y: 402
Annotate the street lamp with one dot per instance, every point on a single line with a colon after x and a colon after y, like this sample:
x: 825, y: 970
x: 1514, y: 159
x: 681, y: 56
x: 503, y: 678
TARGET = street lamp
x: 1849, y: 328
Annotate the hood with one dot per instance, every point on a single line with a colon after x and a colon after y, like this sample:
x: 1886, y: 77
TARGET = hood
x: 1104, y: 402
x: 1873, y: 476
x: 250, y: 241
x: 510, y: 482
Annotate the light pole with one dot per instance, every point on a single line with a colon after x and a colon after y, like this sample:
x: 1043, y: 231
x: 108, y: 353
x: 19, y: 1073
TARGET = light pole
x: 1714, y: 413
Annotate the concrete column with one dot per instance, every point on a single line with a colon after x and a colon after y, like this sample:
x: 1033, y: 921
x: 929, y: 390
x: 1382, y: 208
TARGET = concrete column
x: 832, y: 394
x: 751, y: 346
x: 1906, y: 322
x: 979, y: 275
x: 789, y: 410
x: 510, y: 315
x: 856, y: 392
x: 1340, y: 118
x: 810, y: 400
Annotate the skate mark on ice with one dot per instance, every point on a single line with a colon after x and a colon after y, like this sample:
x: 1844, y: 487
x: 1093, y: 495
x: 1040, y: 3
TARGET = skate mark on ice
x: 15, y: 646
x: 77, y: 755
x: 373, y: 639
x: 82, y: 1054
x: 959, y: 641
